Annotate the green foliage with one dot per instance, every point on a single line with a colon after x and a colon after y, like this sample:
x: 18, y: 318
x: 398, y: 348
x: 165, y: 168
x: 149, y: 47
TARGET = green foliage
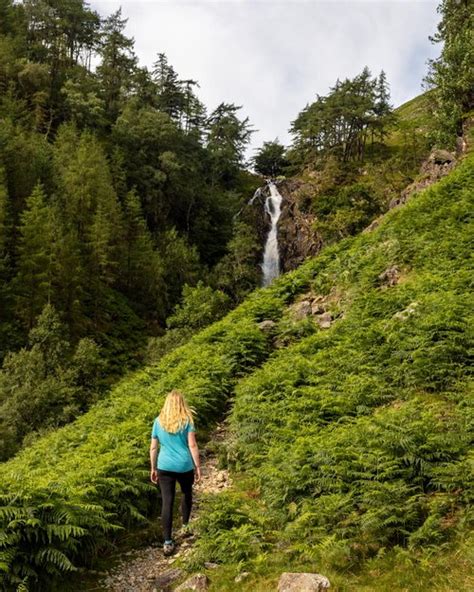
x: 92, y: 464
x: 346, y: 211
x: 139, y: 185
x: 358, y: 436
x: 199, y: 306
x: 270, y: 159
x: 342, y: 122
x: 452, y: 74
x: 33, y: 281
x: 237, y: 273
x: 227, y: 138
x: 47, y: 384
x: 232, y: 531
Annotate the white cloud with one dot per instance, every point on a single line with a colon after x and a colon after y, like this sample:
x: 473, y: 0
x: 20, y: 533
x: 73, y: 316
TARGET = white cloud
x: 272, y: 57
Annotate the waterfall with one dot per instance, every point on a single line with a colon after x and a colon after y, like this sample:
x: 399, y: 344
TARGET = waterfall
x: 271, y: 256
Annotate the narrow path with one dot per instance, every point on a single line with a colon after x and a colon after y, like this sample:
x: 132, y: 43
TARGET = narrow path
x: 147, y: 570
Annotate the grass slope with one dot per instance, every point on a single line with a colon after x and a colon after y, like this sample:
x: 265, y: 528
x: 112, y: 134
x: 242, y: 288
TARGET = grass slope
x: 357, y: 439
x: 357, y: 436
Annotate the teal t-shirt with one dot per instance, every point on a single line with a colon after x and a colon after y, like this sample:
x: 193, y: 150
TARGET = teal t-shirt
x: 174, y: 452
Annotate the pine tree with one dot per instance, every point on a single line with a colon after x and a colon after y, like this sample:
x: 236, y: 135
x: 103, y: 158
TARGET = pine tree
x: 227, y: 138
x: 143, y: 270
x: 383, y: 110
x: 118, y: 63
x: 69, y: 277
x: 171, y: 98
x: 270, y: 159
x: 5, y: 266
x: 35, y: 264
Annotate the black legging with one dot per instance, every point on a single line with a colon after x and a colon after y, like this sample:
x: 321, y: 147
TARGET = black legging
x: 167, y: 481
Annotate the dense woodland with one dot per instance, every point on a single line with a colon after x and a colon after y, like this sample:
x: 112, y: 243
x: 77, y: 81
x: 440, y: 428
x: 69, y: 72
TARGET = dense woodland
x: 117, y: 190
x: 124, y: 232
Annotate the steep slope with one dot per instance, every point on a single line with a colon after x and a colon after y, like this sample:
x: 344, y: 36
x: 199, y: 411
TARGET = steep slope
x: 357, y: 438
x: 357, y: 435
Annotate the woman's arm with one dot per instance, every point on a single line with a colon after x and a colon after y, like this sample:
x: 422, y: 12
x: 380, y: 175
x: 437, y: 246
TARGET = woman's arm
x: 153, y: 455
x: 193, y: 447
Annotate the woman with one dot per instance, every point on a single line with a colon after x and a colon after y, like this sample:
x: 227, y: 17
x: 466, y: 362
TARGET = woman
x: 178, y: 460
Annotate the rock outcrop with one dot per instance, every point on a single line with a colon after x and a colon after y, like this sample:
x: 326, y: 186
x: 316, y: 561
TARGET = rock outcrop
x: 196, y: 583
x: 303, y: 582
x: 296, y: 237
x: 437, y: 165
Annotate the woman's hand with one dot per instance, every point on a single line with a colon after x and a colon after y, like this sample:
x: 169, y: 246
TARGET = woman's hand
x: 154, y: 476
x: 197, y: 474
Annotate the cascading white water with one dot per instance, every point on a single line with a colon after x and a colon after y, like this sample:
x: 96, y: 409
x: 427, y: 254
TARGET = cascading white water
x: 271, y: 256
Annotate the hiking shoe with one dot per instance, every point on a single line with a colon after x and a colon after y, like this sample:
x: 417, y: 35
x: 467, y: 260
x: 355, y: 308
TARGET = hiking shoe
x: 168, y: 548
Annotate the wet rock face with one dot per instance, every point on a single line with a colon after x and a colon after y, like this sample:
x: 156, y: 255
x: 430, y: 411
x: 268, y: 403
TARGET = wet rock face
x: 296, y: 237
x: 255, y: 214
x: 303, y: 582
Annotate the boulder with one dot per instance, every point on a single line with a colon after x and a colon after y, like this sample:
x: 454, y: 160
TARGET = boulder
x: 266, y: 326
x: 324, y: 320
x: 302, y: 582
x: 166, y: 579
x: 317, y: 306
x: 373, y: 225
x: 197, y: 582
x: 441, y: 157
x: 300, y: 310
x: 390, y: 276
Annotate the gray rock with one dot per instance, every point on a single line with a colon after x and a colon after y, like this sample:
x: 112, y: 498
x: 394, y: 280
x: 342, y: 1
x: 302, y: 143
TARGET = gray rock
x: 197, y: 582
x: 324, y: 320
x: 211, y: 565
x: 374, y: 224
x: 300, y: 310
x: 390, y: 276
x: 164, y: 581
x: 317, y: 307
x: 241, y: 576
x: 266, y: 326
x: 441, y: 157
x: 302, y: 582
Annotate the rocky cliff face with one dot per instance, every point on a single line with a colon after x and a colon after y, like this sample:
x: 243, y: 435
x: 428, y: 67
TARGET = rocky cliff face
x: 297, y: 239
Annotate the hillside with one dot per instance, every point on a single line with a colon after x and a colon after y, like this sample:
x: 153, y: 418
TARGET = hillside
x: 353, y: 440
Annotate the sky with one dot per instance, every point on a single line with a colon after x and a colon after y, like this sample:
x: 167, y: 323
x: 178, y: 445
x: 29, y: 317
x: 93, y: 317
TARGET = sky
x: 273, y: 56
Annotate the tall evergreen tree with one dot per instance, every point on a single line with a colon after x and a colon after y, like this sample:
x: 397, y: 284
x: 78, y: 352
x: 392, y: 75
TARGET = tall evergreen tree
x: 35, y: 263
x: 383, y: 110
x: 5, y: 267
x: 118, y: 63
x: 270, y: 159
x: 143, y: 269
x: 227, y: 139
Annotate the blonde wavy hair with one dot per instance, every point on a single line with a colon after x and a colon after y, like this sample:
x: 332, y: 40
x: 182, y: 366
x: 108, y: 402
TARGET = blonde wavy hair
x: 175, y: 413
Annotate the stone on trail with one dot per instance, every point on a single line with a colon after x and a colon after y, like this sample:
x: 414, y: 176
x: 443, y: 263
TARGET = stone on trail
x: 197, y: 582
x: 302, y: 582
x: 164, y: 581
